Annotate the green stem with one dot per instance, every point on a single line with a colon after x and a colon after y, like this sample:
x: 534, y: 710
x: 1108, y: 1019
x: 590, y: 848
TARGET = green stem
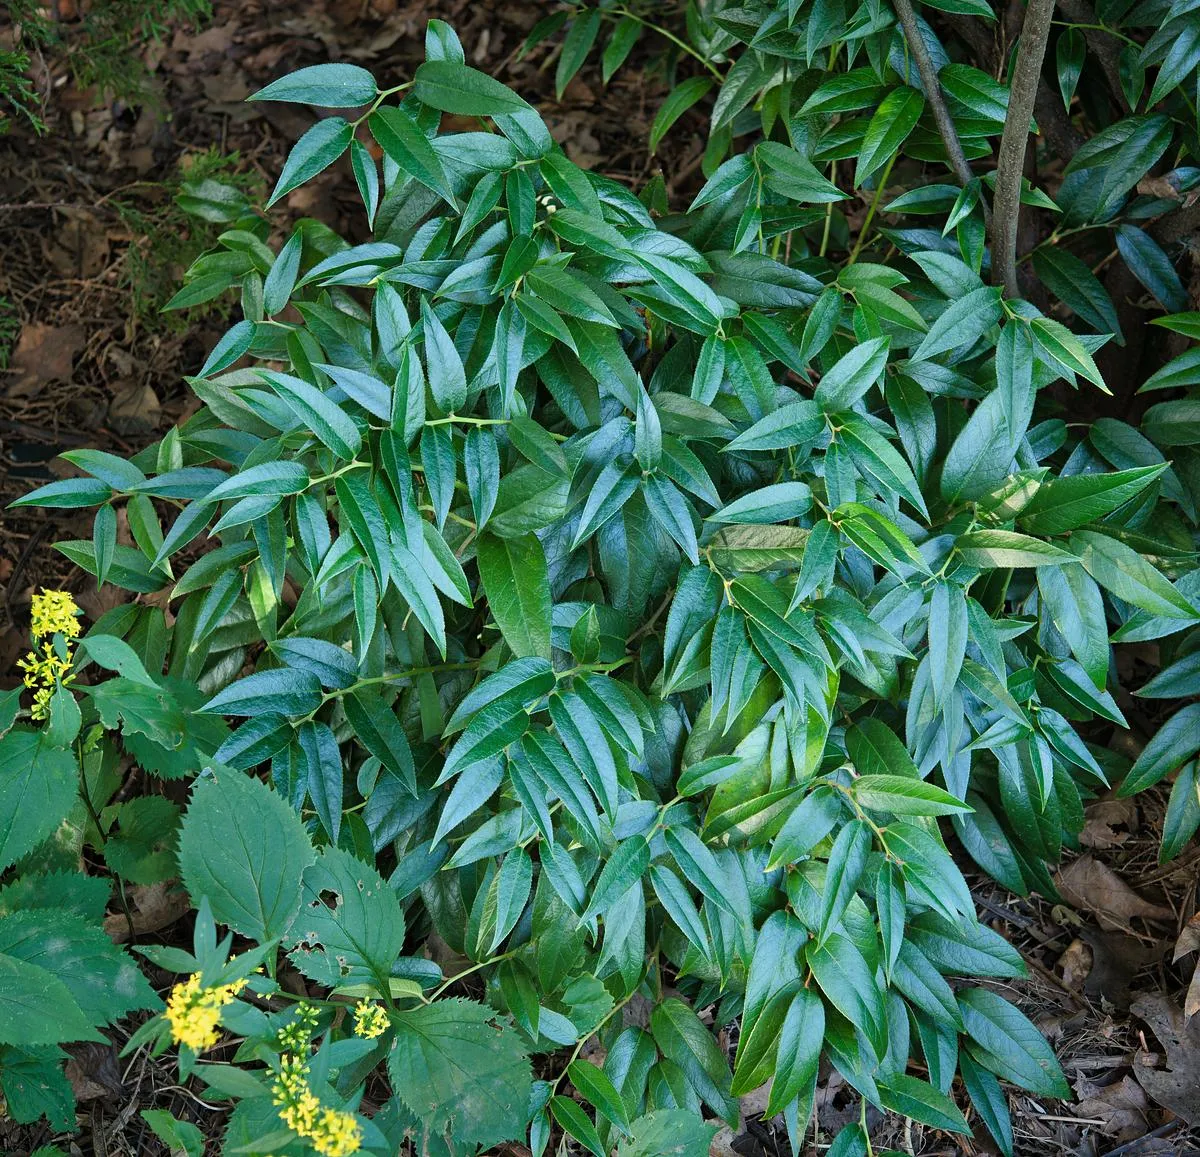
x: 408, y: 673
x: 828, y: 212
x: 595, y: 668
x: 866, y: 229
x: 339, y: 472
x: 465, y: 973
x: 616, y: 1008
x: 468, y: 421
x: 381, y: 98
x: 862, y: 1124
x: 1057, y: 235
x: 1095, y: 28
x: 668, y: 35
x: 390, y: 677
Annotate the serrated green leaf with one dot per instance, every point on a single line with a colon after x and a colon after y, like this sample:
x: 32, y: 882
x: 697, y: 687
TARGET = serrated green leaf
x: 461, y: 1071
x: 244, y: 849
x: 324, y: 85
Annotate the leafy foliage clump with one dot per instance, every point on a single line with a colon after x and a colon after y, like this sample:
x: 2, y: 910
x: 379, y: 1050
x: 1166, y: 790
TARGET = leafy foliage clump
x: 613, y: 605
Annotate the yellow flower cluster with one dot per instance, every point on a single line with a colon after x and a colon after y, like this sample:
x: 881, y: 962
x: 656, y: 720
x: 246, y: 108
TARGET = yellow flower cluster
x: 370, y: 1020
x: 53, y: 613
x: 331, y: 1132
x: 296, y: 1035
x: 193, y: 1011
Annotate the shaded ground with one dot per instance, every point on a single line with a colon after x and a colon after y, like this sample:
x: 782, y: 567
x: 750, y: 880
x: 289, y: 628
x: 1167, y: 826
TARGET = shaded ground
x: 93, y: 244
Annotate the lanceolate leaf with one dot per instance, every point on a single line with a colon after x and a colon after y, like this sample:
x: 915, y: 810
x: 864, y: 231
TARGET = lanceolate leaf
x: 1120, y: 569
x: 847, y: 860
x: 891, y: 123
x: 314, y: 152
x: 325, y: 85
x: 1177, y: 741
x: 1064, y: 504
x: 1005, y: 548
x: 514, y: 576
x: 1003, y: 1040
x: 454, y: 87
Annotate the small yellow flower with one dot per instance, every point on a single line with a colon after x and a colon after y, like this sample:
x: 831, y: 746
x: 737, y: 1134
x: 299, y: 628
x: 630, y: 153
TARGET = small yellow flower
x: 301, y: 1114
x: 40, y: 708
x: 54, y: 612
x: 332, y: 1132
x: 370, y: 1020
x: 298, y: 1033
x: 336, y: 1134
x: 194, y: 1012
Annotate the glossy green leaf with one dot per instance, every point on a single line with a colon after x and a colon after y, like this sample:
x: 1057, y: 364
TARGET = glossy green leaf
x: 513, y: 572
x: 324, y: 85
x: 314, y: 152
x: 895, y: 117
x: 454, y: 87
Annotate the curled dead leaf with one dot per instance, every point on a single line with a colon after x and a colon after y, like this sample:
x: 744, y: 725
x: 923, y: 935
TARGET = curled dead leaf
x: 1116, y: 960
x: 152, y: 907
x: 1191, y: 1002
x: 1177, y: 1086
x: 1093, y: 886
x: 1189, y: 939
x: 134, y: 409
x: 1076, y: 964
x: 1121, y: 1107
x: 1103, y: 821
x: 93, y: 1071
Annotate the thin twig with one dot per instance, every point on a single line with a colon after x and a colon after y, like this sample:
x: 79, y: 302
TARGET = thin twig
x: 1035, y: 33
x: 933, y: 93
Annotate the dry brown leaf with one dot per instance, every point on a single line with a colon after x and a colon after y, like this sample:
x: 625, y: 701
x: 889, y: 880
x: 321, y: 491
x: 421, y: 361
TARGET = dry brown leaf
x: 1102, y: 818
x: 135, y: 408
x: 152, y: 906
x: 1191, y: 1003
x: 754, y: 1103
x: 722, y: 1144
x: 44, y: 353
x: 1189, y: 939
x: 1165, y: 187
x: 1177, y: 1087
x: 1116, y: 960
x: 93, y: 1071
x: 98, y: 602
x: 1122, y: 1107
x: 1088, y: 884
x: 1076, y: 964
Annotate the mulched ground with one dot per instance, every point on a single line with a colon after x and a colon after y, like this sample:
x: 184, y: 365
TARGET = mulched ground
x: 92, y: 245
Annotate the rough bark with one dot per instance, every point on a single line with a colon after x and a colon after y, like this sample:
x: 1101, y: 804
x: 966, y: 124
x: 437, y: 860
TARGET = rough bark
x: 933, y: 94
x: 1031, y: 51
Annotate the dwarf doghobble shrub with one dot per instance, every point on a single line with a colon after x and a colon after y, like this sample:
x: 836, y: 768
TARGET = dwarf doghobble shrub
x: 584, y: 623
